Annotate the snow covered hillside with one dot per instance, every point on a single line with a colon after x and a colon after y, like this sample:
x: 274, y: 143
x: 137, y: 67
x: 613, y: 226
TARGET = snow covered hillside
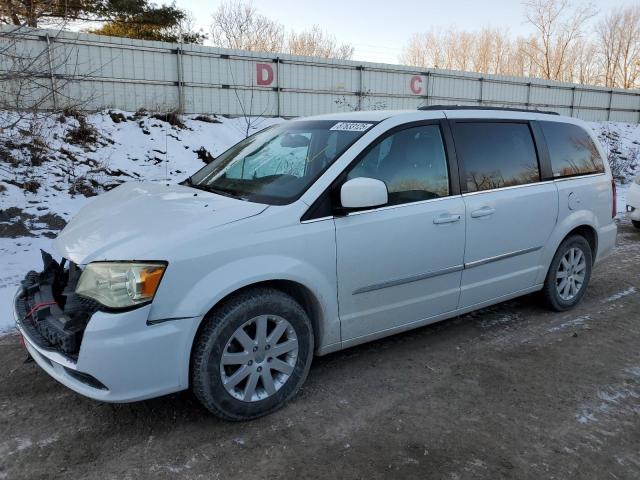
x: 621, y: 142
x: 51, y: 166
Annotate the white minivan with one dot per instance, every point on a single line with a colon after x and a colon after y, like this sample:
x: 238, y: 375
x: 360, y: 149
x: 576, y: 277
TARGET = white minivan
x: 312, y: 236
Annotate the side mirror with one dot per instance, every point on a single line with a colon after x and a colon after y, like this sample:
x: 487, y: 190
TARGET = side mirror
x: 363, y: 192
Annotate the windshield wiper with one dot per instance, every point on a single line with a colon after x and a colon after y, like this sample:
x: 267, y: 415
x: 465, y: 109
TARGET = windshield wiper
x: 219, y: 191
x: 226, y: 193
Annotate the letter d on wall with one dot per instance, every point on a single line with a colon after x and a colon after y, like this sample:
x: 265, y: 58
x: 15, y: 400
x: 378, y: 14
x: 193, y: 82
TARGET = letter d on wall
x: 264, y: 74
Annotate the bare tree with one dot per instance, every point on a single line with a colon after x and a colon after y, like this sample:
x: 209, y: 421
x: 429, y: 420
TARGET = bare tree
x: 629, y: 54
x: 503, y: 50
x: 618, y: 45
x: 186, y: 30
x: 489, y: 50
x: 417, y: 51
x: 586, y: 69
x: 558, y: 49
x: 238, y: 25
x: 484, y: 58
x: 429, y: 49
x: 608, y: 33
x: 29, y: 79
x: 558, y: 27
x: 316, y: 43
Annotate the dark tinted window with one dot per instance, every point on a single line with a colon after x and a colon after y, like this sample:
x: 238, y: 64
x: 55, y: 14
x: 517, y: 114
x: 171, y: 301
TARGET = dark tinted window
x: 571, y: 149
x: 496, y: 155
x: 411, y: 162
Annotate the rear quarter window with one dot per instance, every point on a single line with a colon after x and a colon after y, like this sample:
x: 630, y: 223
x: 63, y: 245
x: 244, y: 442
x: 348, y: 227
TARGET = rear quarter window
x: 572, y: 150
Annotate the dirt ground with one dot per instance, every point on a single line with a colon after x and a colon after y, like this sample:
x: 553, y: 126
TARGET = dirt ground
x: 513, y: 391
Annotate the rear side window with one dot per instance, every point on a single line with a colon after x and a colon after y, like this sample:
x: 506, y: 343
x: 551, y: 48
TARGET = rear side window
x: 411, y: 162
x: 571, y: 149
x: 496, y: 155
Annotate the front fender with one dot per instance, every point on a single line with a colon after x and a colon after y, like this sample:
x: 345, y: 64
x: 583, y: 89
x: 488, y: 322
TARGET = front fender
x: 233, y: 276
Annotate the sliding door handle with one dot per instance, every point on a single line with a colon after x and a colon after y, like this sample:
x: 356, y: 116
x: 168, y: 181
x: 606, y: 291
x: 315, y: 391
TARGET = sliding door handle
x: 483, y: 212
x: 447, y: 219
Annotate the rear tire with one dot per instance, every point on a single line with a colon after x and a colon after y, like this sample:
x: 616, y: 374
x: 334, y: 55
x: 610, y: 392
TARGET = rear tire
x: 239, y: 369
x: 569, y: 274
x: 636, y: 223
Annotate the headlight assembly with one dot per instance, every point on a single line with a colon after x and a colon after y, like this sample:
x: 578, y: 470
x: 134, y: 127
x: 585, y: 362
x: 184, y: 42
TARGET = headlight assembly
x: 120, y: 284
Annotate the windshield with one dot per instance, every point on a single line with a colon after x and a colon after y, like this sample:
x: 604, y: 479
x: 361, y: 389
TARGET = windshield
x: 279, y: 163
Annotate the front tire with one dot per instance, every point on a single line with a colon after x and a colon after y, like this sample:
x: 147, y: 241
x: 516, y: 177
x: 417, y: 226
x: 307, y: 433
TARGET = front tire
x: 636, y: 223
x: 252, y: 354
x: 569, y: 274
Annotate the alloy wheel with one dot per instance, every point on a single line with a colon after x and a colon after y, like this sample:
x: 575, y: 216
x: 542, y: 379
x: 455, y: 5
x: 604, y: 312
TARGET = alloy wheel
x: 571, y: 272
x: 259, y: 358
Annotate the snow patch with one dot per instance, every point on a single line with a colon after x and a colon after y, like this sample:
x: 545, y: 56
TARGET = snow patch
x: 619, y: 295
x: 571, y: 323
x: 17, y: 256
x: 14, y: 446
x: 614, y: 400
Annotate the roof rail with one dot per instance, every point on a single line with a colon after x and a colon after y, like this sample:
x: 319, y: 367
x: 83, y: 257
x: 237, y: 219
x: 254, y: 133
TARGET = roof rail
x: 471, y: 107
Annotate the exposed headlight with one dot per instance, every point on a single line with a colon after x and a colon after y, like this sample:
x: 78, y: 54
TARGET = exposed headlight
x: 120, y: 284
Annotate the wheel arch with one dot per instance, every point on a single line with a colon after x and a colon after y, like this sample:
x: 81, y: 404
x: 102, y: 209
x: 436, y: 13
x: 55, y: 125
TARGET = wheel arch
x: 550, y: 293
x: 299, y: 292
x: 590, y: 234
x: 581, y: 223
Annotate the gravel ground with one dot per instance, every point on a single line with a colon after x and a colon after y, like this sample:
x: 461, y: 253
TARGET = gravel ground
x: 512, y: 391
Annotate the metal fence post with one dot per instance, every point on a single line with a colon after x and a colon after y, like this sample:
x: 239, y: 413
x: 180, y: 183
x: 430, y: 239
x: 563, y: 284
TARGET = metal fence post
x: 573, y: 99
x: 51, y: 75
x: 278, y: 86
x: 481, y: 89
x: 426, y: 89
x: 180, y: 79
x: 528, y: 94
x: 610, y: 102
x: 360, y: 69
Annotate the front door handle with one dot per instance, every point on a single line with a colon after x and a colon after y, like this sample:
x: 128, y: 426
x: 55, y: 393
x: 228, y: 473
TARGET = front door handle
x: 447, y: 219
x: 483, y: 212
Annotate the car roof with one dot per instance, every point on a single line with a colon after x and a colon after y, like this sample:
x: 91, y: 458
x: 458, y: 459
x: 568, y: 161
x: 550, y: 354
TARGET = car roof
x: 360, y: 116
x: 453, y: 113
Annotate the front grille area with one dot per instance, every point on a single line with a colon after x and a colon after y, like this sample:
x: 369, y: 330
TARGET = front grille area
x: 51, y: 313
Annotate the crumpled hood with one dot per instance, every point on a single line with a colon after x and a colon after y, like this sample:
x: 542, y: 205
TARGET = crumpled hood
x: 138, y: 221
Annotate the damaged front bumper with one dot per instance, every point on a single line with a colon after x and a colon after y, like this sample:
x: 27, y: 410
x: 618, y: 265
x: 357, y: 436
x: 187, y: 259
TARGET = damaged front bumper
x: 107, y: 356
x: 50, y: 311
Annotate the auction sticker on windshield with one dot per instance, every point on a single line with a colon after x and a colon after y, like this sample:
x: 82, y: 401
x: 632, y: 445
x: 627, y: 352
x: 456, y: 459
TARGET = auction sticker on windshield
x: 351, y: 126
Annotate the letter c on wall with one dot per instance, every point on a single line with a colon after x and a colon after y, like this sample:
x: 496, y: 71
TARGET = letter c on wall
x: 264, y: 74
x: 415, y: 84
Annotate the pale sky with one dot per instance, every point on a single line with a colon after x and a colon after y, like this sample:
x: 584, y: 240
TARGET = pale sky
x: 379, y: 29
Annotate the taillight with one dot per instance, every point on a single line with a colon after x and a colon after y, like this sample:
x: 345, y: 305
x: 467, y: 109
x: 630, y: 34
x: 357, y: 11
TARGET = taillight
x: 614, y: 204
